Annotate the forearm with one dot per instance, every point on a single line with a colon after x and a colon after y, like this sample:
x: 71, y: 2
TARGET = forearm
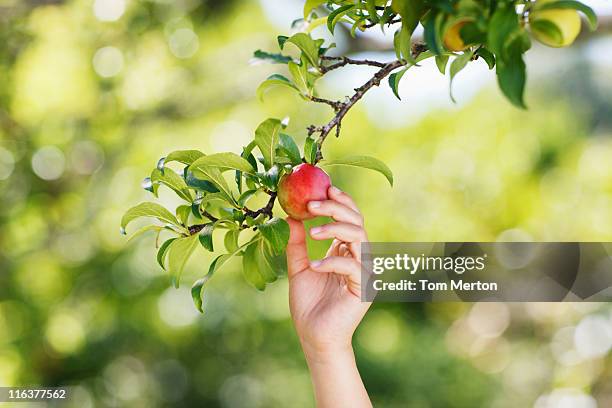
x: 335, y: 378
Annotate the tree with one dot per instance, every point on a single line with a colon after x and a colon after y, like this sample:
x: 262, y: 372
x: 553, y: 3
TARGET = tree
x: 457, y: 31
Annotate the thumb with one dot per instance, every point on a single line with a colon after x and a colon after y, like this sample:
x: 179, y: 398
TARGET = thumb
x: 297, y: 254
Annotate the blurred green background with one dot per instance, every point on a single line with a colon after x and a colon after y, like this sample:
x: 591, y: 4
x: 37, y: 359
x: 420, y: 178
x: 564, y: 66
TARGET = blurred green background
x: 92, y: 93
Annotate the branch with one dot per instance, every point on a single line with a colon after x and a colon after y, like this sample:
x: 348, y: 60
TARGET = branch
x: 342, y: 61
x: 336, y: 121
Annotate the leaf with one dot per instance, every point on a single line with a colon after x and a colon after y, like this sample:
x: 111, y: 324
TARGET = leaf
x: 224, y: 161
x: 281, y: 39
x: 250, y: 268
x: 179, y: 252
x: 311, y: 5
x: 182, y: 213
x: 371, y: 8
x: 487, y: 56
x: 183, y: 156
x: 276, y: 233
x: 144, y: 229
x: 299, y: 74
x: 308, y: 46
x: 456, y: 66
x: 248, y: 156
x: 147, y: 209
x: 199, y: 184
x: 206, y: 236
x: 213, y: 175
x: 230, y: 241
x: 336, y: 15
x: 162, y: 251
x: 365, y: 162
x: 263, y: 258
x: 441, y: 61
x: 310, y: 150
x: 570, y: 4
x: 289, y: 147
x: 269, y: 57
x: 503, y: 26
x: 172, y: 180
x: 548, y: 28
x: 432, y: 32
x: 394, y: 80
x: 272, y: 81
x: 266, y: 138
x: 197, y: 290
x: 511, y: 75
x: 242, y: 200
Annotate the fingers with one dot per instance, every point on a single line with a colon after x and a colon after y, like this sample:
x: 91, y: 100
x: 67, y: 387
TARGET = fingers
x: 341, y: 231
x: 297, y: 254
x: 338, y: 195
x: 336, y: 210
x: 348, y: 267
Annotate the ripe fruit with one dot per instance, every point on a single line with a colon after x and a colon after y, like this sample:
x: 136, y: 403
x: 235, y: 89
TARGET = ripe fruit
x: 566, y: 20
x: 305, y: 183
x: 452, y: 37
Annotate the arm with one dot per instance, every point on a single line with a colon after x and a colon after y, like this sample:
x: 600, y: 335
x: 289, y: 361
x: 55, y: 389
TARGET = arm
x: 324, y: 298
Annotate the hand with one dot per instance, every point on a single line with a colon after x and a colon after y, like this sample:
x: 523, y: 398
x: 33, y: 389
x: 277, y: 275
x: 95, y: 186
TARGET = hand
x: 325, y: 295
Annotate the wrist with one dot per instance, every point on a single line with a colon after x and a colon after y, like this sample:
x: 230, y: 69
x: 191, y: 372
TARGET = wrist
x: 328, y: 353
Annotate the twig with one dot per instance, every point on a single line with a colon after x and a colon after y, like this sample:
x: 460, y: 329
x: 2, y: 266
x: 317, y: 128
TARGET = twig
x: 343, y: 61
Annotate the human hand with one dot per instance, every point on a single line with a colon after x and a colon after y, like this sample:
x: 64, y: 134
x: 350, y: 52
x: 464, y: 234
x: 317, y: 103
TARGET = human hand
x: 324, y: 295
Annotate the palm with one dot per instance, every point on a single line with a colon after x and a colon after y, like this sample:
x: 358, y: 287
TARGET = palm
x: 326, y: 307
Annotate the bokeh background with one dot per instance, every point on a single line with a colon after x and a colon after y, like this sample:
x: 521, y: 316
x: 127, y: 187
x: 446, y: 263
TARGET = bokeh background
x: 92, y: 93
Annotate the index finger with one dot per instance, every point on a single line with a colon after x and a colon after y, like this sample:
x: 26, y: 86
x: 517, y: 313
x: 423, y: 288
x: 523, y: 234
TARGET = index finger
x: 340, y: 196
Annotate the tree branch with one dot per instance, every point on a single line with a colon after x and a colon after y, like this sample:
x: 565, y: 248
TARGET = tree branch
x: 342, y: 61
x: 336, y: 121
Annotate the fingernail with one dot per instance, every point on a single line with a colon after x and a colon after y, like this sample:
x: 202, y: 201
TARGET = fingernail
x: 314, y: 204
x: 316, y: 230
x: 316, y: 264
x: 335, y: 190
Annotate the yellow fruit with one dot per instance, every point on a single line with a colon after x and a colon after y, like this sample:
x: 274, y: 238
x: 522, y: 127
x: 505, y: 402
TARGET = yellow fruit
x: 452, y: 38
x: 567, y: 20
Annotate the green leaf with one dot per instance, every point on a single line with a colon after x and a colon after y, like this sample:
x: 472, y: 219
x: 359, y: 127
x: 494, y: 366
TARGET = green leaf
x: 310, y: 150
x: 511, y: 75
x: 179, y: 252
x: 365, y: 162
x: 269, y: 57
x: 144, y: 229
x: 289, y: 147
x: 308, y: 46
x: 246, y: 196
x: 183, y: 156
x: 230, y: 241
x: 213, y: 175
x: 503, y: 27
x: 299, y: 73
x: 250, y: 268
x: 276, y: 233
x: 224, y: 161
x: 273, y: 81
x: 198, y: 184
x: 336, y: 15
x: 311, y: 5
x: 182, y: 213
x: 548, y: 28
x: 162, y: 252
x: 147, y: 209
x: 270, y: 177
x: 172, y: 180
x: 206, y: 236
x: 371, y: 8
x: 263, y: 259
x: 394, y: 80
x: 282, y: 39
x: 570, y: 4
x: 487, y: 56
x: 197, y: 290
x: 266, y: 138
x: 432, y: 32
x: 456, y: 66
x: 441, y: 61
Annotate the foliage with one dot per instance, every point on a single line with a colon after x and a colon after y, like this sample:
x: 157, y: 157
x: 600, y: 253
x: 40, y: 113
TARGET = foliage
x: 494, y: 30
